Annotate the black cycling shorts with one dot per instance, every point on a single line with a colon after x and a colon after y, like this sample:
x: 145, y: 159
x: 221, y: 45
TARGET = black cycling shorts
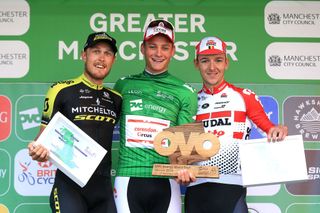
x: 215, y: 198
x: 95, y: 197
x: 147, y: 195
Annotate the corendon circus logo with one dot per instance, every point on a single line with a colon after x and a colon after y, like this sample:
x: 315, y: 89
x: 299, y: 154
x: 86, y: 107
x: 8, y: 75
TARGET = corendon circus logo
x: 5, y: 117
x: 302, y: 115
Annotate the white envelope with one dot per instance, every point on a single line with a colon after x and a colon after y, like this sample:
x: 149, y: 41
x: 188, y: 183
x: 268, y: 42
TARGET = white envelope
x: 71, y: 150
x: 265, y: 162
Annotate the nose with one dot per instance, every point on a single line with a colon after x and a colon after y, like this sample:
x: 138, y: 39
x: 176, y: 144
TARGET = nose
x: 158, y: 51
x: 212, y: 65
x: 101, y: 57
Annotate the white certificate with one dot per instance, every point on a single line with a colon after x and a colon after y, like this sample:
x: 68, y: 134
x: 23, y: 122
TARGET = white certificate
x: 71, y: 150
x: 265, y: 162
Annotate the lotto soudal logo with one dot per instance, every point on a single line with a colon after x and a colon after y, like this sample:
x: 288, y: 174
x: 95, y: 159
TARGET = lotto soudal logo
x: 136, y: 105
x: 302, y: 116
x: 28, y: 119
x: 5, y: 117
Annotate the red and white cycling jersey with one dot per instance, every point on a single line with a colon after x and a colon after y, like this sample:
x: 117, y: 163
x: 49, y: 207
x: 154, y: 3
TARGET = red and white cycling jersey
x: 227, y: 113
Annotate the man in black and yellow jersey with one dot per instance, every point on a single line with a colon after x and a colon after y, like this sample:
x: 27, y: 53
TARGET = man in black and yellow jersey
x: 95, y: 109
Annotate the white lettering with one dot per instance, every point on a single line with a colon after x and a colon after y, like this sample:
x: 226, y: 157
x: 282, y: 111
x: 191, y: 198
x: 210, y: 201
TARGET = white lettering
x: 101, y: 25
x: 116, y: 19
x: 122, y: 46
x: 3, y: 173
x: 179, y: 23
x: 132, y: 22
x: 68, y: 50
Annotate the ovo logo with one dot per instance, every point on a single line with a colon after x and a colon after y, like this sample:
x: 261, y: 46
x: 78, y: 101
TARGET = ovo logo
x: 204, y: 144
x: 5, y: 117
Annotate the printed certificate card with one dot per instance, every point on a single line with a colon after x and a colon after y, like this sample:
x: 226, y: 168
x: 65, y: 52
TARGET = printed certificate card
x: 71, y: 150
x: 264, y: 162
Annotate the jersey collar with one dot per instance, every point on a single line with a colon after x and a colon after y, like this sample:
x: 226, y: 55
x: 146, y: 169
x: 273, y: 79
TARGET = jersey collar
x: 214, y: 90
x: 87, y: 82
x: 160, y: 75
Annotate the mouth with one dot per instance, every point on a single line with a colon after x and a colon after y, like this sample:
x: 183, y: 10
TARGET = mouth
x: 212, y: 74
x: 99, y: 66
x: 157, y: 60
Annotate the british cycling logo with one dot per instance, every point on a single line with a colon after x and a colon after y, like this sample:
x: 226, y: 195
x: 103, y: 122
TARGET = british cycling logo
x: 302, y: 116
x: 32, y: 178
x: 26, y: 175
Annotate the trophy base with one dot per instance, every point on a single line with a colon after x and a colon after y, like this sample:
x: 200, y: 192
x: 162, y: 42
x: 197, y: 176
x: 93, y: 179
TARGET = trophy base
x: 173, y: 169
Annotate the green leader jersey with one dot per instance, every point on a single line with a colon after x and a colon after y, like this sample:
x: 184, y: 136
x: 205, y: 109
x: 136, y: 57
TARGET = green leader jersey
x: 151, y: 103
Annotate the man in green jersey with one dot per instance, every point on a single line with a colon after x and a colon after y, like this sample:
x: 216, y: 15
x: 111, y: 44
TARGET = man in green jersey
x: 152, y: 100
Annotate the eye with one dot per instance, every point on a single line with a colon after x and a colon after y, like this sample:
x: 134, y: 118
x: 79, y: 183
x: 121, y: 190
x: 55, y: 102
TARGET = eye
x: 204, y: 60
x: 108, y: 53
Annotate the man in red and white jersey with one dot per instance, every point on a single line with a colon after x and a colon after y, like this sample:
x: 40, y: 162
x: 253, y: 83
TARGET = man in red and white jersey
x: 226, y: 111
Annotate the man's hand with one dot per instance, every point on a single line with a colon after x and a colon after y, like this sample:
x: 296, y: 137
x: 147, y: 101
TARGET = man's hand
x: 38, y: 152
x: 185, y: 177
x: 277, y: 133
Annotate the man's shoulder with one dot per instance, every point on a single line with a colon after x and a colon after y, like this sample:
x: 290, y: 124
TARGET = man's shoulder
x: 60, y: 85
x: 182, y: 84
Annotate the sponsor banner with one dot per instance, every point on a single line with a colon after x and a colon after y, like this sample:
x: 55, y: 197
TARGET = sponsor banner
x: 292, y: 18
x: 5, y: 172
x: 32, y: 207
x: 288, y: 60
x: 263, y: 208
x: 271, y: 108
x: 142, y: 130
x: 303, y: 207
x: 14, y: 59
x: 302, y: 116
x: 312, y: 186
x: 32, y: 178
x: 5, y: 117
x: 269, y: 190
x: 14, y: 17
x: 28, y: 116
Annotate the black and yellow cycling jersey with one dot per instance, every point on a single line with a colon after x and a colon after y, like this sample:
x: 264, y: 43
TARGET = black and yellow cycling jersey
x: 93, y: 108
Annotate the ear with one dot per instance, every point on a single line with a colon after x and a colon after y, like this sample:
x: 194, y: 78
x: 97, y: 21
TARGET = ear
x: 84, y: 56
x: 142, y: 48
x: 196, y: 63
x: 227, y: 63
x: 173, y: 50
